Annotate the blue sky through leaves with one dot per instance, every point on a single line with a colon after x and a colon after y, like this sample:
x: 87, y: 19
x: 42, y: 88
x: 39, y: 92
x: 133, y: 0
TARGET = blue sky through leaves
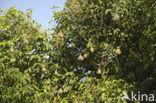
x: 42, y: 11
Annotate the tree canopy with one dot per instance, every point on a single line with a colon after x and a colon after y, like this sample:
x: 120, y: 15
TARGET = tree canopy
x: 99, y: 48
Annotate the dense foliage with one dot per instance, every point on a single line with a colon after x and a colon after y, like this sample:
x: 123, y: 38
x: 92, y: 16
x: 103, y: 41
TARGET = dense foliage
x: 98, y: 49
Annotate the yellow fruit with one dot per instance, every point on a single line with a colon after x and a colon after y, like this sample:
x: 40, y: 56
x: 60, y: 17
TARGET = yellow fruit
x: 60, y: 35
x: 80, y: 58
x: 85, y: 55
x: 25, y: 41
x: 60, y: 90
x: 116, y: 17
x: 98, y: 71
x: 44, y: 69
x: 12, y: 49
x: 118, y: 51
x: 72, y: 45
x: 56, y: 73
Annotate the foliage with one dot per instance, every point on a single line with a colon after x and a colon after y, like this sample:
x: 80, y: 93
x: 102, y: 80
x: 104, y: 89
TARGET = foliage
x: 23, y: 48
x: 98, y: 49
x: 119, y: 37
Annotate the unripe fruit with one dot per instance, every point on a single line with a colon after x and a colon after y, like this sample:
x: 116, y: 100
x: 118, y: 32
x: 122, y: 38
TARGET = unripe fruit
x: 85, y: 55
x: 98, y: 71
x: 44, y: 61
x: 60, y: 90
x: 80, y: 58
x: 131, y: 20
x: 25, y: 41
x: 116, y: 17
x: 73, y: 27
x: 118, y: 51
x: 72, y: 45
x: 60, y: 35
x: 11, y: 49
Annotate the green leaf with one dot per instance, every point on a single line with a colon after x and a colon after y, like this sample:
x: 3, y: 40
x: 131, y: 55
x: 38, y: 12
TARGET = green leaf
x: 92, y: 49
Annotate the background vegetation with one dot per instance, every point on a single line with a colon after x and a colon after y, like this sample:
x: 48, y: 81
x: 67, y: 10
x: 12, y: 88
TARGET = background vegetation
x: 98, y: 49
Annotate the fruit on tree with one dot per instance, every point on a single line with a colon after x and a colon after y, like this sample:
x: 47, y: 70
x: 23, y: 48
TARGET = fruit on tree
x: 60, y: 35
x: 60, y: 90
x: 80, y: 58
x: 25, y: 41
x: 98, y: 71
x: 44, y: 69
x: 116, y: 17
x: 118, y: 51
x: 44, y: 61
x: 12, y: 49
x: 131, y: 20
x: 56, y: 73
x: 72, y: 45
x: 85, y: 55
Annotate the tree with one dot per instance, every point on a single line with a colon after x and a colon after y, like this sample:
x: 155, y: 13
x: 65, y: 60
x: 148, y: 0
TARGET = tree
x: 97, y: 50
x: 118, y: 37
x: 23, y: 48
